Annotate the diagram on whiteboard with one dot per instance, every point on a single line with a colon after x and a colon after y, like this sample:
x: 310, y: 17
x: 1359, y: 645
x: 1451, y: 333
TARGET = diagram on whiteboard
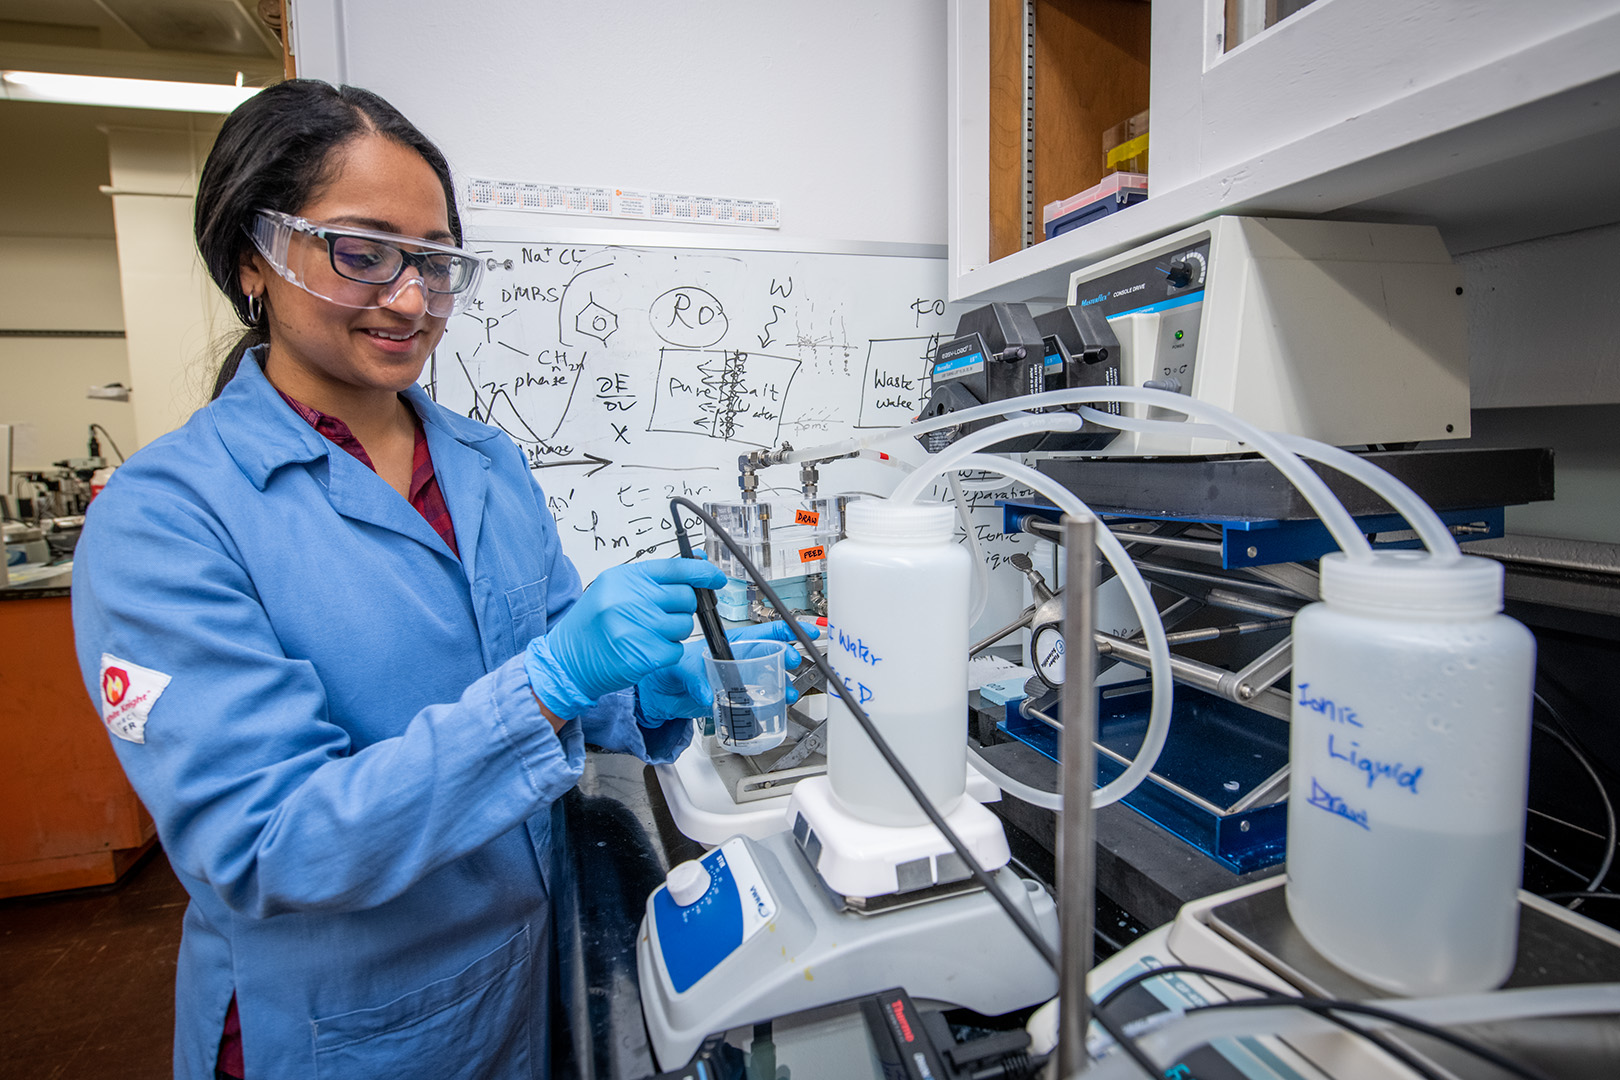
x: 628, y: 375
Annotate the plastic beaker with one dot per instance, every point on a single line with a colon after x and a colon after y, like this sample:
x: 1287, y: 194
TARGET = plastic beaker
x: 750, y: 696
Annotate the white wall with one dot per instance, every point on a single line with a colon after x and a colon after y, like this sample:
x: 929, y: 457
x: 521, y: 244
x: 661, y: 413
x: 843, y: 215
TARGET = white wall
x: 1544, y: 362
x: 67, y: 262
x: 177, y: 323
x: 58, y: 271
x: 1543, y: 322
x: 837, y: 108
x: 66, y: 284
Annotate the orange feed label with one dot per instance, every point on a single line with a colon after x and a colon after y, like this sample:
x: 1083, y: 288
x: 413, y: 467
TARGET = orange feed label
x: 811, y: 554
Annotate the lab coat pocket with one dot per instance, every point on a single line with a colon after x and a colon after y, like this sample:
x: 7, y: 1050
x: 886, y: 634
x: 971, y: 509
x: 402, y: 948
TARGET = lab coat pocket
x: 474, y: 1024
x: 527, y: 604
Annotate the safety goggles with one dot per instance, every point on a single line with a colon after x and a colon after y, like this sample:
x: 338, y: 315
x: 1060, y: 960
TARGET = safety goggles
x: 360, y: 268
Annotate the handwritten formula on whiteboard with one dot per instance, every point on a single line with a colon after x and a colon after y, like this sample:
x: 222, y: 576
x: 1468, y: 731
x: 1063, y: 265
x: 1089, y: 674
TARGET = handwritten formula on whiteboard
x: 628, y: 375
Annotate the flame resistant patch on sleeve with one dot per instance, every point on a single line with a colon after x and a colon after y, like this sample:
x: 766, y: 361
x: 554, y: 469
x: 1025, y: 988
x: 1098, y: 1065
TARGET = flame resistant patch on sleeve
x: 128, y: 692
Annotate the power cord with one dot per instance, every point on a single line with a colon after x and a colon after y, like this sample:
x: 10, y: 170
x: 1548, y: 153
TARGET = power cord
x: 1613, y: 834
x: 1583, y: 894
x: 97, y: 427
x: 1025, y: 927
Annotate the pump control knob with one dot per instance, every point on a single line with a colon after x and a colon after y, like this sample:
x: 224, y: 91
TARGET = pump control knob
x: 1179, y: 274
x: 687, y: 883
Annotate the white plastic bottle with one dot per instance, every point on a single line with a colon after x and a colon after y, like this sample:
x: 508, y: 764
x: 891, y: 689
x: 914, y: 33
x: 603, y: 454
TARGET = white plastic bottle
x: 1410, y: 757
x: 897, y: 593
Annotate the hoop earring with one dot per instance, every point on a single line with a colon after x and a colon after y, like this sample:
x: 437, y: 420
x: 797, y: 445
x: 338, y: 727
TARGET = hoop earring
x: 255, y: 308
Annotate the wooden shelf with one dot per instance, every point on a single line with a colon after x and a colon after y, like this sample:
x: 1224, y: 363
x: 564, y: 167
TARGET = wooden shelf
x: 1091, y: 73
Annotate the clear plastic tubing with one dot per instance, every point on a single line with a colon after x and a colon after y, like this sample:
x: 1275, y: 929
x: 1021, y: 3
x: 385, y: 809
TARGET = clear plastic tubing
x: 1152, y: 628
x: 1176, y: 1039
x: 911, y: 488
x: 1424, y: 521
x: 1410, y: 754
x: 1316, y: 492
x: 897, y: 635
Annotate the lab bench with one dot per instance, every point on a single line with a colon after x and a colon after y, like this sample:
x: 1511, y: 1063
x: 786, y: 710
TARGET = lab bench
x: 68, y: 817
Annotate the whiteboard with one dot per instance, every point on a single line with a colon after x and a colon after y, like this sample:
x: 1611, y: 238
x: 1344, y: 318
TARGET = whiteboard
x: 630, y: 373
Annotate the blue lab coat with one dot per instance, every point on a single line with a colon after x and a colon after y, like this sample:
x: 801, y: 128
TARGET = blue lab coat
x: 347, y: 768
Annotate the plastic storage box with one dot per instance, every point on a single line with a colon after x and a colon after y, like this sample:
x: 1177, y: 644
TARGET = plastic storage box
x: 1115, y: 192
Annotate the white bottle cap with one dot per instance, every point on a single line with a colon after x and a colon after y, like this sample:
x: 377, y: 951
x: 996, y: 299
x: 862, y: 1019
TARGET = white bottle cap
x: 880, y: 519
x: 1413, y: 583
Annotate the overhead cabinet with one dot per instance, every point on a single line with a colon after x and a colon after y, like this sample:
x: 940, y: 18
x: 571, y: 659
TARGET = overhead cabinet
x: 1496, y: 120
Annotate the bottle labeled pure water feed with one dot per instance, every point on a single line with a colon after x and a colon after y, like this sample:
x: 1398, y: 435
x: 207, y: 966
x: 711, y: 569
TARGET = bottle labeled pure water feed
x: 1409, y: 768
x: 897, y: 609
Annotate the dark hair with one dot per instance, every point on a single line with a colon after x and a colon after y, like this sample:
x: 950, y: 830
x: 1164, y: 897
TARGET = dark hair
x: 275, y: 153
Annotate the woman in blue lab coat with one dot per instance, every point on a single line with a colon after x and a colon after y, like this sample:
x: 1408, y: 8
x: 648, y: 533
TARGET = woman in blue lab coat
x: 337, y: 644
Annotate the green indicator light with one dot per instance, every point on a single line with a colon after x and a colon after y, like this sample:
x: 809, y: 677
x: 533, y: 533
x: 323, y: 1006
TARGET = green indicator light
x: 1180, y: 334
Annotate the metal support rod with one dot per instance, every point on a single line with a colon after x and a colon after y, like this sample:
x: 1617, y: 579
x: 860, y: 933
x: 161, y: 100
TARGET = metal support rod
x: 1195, y: 673
x: 1191, y: 672
x: 1128, y: 536
x: 1211, y: 633
x: 1077, y: 830
x: 1232, y: 600
x: 1149, y: 568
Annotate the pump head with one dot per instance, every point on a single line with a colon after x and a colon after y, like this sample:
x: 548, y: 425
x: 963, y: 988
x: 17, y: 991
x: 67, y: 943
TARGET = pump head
x: 1000, y: 351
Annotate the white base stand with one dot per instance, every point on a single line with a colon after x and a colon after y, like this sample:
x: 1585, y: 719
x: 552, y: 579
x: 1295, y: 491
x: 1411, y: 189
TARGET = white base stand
x: 705, y: 811
x: 859, y: 859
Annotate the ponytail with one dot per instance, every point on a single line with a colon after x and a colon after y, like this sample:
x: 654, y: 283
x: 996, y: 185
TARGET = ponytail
x: 252, y: 339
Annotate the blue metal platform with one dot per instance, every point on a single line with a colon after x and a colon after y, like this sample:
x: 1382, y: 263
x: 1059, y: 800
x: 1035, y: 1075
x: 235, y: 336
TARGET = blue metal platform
x: 1264, y: 541
x: 1217, y: 753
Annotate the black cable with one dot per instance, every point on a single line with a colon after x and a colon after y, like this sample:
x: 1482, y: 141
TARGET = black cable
x: 1581, y: 895
x: 120, y: 453
x: 1024, y: 926
x: 1479, y: 1050
x: 1613, y: 833
x: 1373, y: 1037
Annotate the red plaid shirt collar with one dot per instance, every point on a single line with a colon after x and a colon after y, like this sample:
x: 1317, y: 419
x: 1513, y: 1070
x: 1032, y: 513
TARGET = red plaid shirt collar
x: 425, y: 495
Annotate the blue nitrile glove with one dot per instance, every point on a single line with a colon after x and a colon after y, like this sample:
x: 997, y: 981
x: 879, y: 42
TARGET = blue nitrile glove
x: 682, y: 688
x: 630, y: 622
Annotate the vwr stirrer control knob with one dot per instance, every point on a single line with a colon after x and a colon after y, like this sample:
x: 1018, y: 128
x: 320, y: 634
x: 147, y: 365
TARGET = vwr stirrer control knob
x: 687, y: 882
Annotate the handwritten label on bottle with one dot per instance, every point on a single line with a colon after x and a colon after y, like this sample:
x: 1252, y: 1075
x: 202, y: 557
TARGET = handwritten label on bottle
x: 1334, y: 711
x: 1324, y: 799
x: 854, y: 646
x: 806, y: 517
x: 1374, y: 769
x: 860, y: 690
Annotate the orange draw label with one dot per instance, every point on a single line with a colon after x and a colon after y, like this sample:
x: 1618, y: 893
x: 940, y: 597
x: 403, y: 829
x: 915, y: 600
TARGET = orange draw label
x: 811, y: 554
x: 806, y: 517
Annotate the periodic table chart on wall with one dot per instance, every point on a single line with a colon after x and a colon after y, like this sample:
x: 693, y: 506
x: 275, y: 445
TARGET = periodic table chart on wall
x: 628, y: 373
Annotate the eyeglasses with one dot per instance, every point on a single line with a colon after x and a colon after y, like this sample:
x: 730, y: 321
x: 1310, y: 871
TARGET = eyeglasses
x: 360, y: 268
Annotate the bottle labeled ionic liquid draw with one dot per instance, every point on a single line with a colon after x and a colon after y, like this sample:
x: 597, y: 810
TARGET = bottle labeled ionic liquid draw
x: 1409, y: 762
